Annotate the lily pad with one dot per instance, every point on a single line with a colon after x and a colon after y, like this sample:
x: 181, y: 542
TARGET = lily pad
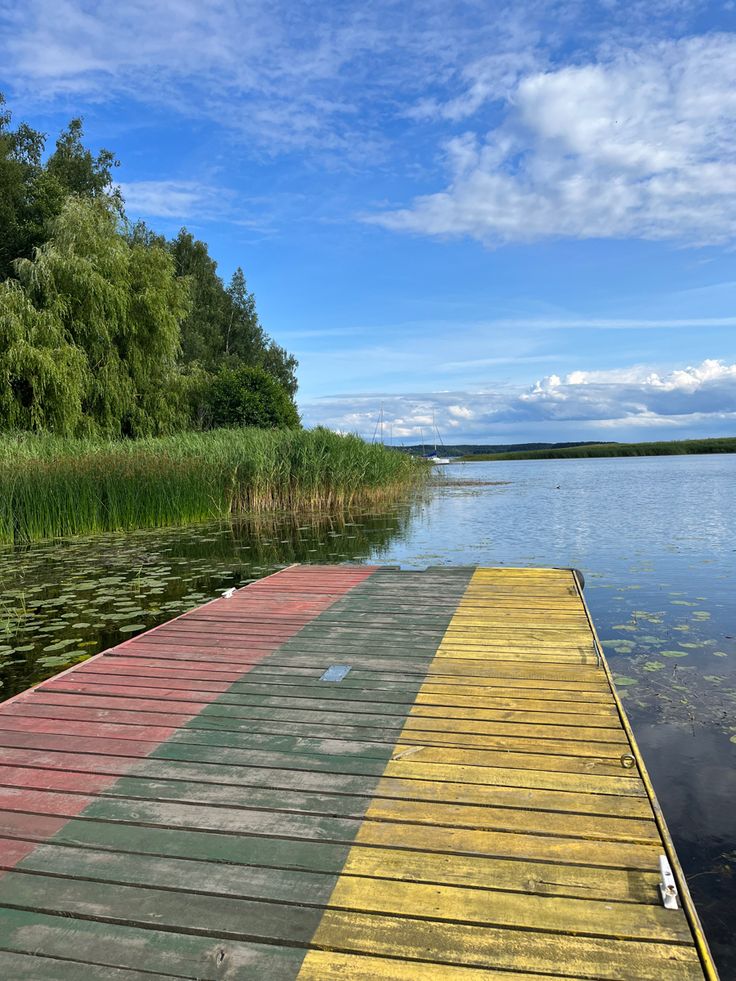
x: 132, y: 627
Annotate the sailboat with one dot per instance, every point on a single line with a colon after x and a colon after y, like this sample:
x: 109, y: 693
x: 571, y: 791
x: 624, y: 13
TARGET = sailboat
x: 435, y: 457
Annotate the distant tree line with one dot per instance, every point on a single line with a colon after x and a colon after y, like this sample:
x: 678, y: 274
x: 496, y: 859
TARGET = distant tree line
x: 109, y: 329
x: 677, y: 447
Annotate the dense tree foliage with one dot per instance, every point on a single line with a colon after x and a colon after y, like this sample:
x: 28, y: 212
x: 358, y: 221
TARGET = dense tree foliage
x: 222, y: 327
x: 245, y: 396
x: 32, y: 193
x: 108, y: 328
x: 89, y: 332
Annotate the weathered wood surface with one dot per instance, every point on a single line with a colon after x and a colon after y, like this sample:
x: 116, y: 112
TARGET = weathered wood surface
x: 199, y: 803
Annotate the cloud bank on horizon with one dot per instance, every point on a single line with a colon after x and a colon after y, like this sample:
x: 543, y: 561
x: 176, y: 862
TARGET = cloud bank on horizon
x: 491, y: 191
x: 614, y: 405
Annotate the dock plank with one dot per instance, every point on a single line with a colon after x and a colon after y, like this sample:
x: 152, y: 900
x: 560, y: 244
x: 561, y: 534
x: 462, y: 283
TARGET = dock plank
x: 466, y: 802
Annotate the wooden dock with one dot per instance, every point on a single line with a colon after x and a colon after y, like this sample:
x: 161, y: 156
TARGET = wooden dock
x: 340, y: 772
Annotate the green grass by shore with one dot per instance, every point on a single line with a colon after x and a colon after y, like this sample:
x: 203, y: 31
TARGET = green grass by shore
x: 51, y: 487
x: 678, y: 447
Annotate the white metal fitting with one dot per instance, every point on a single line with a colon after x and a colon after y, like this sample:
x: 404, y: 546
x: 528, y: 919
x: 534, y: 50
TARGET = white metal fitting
x: 667, y: 886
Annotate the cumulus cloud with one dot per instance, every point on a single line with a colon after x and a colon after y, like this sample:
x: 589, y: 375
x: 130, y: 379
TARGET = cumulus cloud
x: 171, y: 199
x: 641, y: 143
x: 700, y: 397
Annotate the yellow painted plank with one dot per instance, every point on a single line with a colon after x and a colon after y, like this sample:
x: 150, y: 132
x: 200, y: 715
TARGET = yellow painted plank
x: 519, y: 950
x: 516, y: 777
x: 515, y: 820
x: 516, y: 742
x: 497, y: 669
x: 482, y: 758
x: 511, y: 715
x: 509, y: 796
x: 542, y: 730
x: 593, y: 689
x: 523, y: 703
x: 481, y: 872
x: 509, y: 909
x: 508, y: 844
x: 509, y: 688
x: 324, y: 965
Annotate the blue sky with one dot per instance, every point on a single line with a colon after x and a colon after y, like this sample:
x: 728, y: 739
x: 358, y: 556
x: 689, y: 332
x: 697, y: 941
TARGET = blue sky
x: 519, y: 217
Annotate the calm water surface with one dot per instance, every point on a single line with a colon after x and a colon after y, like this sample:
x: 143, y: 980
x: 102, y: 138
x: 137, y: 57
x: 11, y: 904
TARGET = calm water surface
x: 655, y: 538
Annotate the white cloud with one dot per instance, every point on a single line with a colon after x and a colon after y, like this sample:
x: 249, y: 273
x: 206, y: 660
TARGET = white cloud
x: 698, y: 398
x: 171, y: 199
x: 460, y: 411
x: 641, y: 143
x: 289, y: 75
x: 304, y: 75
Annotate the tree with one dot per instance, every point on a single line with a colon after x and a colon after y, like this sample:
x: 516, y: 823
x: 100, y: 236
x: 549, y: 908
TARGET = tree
x: 247, y: 396
x: 203, y: 329
x: 105, y: 326
x: 77, y: 170
x: 43, y: 375
x: 281, y: 365
x: 244, y: 338
x: 32, y: 193
x: 223, y: 327
x: 247, y: 341
x: 20, y: 166
x: 89, y: 336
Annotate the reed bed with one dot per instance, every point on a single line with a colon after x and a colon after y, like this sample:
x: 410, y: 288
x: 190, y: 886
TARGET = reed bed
x: 56, y: 488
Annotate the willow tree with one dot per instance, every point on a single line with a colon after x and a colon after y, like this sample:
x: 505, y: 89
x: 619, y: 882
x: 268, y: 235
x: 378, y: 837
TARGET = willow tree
x: 89, y: 333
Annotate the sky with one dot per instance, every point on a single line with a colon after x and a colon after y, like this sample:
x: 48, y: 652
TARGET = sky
x: 515, y: 218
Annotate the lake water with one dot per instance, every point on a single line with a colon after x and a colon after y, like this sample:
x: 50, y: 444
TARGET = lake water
x: 655, y: 538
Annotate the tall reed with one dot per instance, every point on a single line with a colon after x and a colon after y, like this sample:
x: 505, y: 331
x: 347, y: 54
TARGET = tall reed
x: 52, y: 487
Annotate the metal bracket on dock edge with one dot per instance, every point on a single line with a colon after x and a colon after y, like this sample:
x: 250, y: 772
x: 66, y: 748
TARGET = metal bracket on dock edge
x: 667, y: 887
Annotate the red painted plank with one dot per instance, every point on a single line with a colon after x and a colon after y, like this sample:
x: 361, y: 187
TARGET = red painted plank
x: 13, y: 851
x: 72, y: 762
x: 223, y: 672
x: 43, y: 802
x: 88, y: 688
x: 76, y: 744
x: 170, y: 684
x: 129, y: 717
x: 186, y: 709
x: 189, y: 671
x: 21, y: 825
x: 105, y: 730
x: 58, y: 780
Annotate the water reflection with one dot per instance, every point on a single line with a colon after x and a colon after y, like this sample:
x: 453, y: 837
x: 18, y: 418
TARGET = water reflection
x: 62, y: 602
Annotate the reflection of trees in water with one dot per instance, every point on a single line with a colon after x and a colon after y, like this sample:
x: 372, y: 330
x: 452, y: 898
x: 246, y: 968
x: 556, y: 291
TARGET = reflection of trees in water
x: 349, y: 536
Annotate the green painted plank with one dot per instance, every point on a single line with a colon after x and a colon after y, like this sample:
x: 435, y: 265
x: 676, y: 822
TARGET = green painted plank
x: 32, y: 967
x: 175, y: 955
x: 205, y: 915
x: 182, y: 842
